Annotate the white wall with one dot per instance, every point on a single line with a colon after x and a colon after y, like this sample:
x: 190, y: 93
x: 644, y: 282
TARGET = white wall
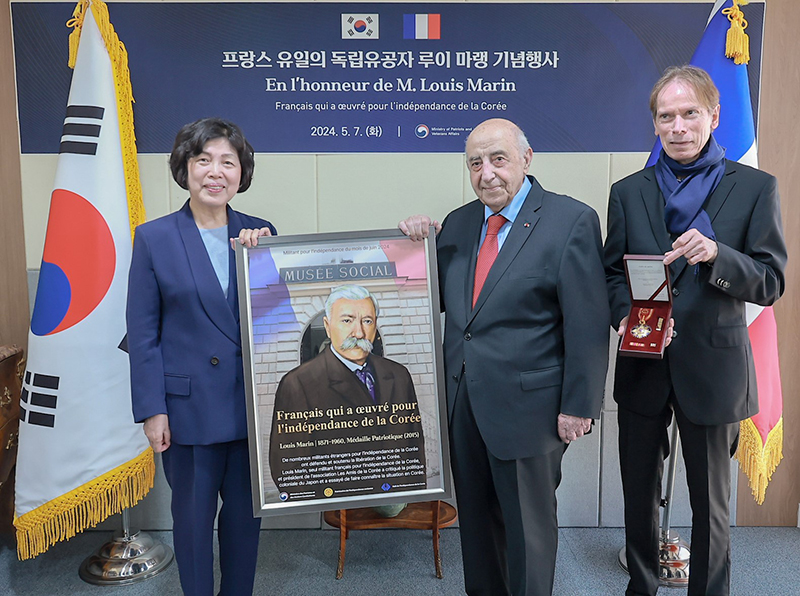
x: 327, y: 193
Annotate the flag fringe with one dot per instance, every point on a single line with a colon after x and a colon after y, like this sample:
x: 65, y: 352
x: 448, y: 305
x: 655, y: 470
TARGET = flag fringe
x: 122, y: 82
x: 737, y: 42
x: 85, y: 507
x: 758, y: 459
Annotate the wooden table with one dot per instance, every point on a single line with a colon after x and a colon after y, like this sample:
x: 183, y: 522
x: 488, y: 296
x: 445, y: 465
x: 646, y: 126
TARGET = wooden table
x: 12, y: 367
x: 431, y: 515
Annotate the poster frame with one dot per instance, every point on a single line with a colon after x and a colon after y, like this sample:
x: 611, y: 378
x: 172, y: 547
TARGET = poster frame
x: 267, y: 499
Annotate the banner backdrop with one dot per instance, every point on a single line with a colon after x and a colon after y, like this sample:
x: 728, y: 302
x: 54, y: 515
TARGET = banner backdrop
x: 329, y: 77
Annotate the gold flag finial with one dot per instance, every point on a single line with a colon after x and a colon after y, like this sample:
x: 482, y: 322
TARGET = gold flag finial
x: 76, y: 22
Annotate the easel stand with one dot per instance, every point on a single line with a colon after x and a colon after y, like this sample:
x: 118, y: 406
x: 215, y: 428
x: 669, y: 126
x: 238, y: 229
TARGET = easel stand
x: 432, y: 515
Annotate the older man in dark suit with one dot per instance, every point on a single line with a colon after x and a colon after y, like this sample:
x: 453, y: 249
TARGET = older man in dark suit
x: 340, y: 388
x: 718, y: 224
x: 526, y: 352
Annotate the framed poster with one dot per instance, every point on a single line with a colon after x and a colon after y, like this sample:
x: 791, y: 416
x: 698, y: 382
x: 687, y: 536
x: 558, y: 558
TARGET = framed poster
x: 344, y: 374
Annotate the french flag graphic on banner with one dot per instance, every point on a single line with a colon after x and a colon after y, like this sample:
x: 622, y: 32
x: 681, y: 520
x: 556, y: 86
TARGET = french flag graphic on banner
x: 81, y: 457
x: 422, y: 26
x: 761, y: 437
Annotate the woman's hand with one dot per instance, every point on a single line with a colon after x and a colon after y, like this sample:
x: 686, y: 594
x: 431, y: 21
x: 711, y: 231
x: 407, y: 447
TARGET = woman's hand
x: 249, y: 237
x: 156, y: 429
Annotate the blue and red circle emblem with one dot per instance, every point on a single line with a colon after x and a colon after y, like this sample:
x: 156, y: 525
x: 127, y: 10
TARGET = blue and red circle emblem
x: 422, y: 131
x: 77, y: 265
x: 360, y: 26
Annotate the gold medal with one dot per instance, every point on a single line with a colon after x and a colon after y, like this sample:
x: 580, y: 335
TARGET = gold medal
x: 642, y: 330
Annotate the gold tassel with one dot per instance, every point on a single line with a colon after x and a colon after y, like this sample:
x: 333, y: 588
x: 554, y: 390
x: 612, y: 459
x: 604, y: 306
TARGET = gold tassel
x: 122, y: 82
x: 737, y: 43
x: 758, y: 461
x: 85, y: 507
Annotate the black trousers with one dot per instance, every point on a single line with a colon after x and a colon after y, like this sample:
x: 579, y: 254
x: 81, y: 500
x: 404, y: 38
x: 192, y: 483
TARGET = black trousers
x: 507, y: 512
x: 643, y: 447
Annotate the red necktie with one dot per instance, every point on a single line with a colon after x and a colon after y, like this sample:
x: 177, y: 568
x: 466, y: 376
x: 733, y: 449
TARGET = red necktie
x: 487, y: 254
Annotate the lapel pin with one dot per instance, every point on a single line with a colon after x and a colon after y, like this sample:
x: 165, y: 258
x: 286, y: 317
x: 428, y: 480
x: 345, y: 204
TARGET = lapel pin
x: 527, y: 224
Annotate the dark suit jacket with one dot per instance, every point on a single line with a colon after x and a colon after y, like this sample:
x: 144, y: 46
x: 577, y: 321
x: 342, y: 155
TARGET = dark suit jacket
x: 183, y: 335
x: 536, y: 343
x: 325, y: 383
x: 709, y: 363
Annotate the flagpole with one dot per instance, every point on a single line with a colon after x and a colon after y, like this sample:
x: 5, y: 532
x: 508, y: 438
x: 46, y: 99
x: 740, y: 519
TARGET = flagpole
x: 128, y: 558
x: 673, y: 552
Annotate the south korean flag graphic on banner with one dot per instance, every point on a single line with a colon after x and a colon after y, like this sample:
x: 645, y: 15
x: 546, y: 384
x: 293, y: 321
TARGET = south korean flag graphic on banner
x: 81, y: 457
x: 360, y: 26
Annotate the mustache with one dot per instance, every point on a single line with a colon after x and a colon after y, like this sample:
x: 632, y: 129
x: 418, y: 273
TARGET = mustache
x: 362, y: 344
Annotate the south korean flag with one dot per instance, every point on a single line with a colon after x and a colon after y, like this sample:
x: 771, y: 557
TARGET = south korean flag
x: 360, y: 26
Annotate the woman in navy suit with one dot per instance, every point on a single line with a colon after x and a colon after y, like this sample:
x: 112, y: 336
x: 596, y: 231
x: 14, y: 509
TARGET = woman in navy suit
x: 186, y: 356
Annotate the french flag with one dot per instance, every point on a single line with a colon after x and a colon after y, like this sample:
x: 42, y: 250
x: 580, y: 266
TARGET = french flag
x: 422, y: 26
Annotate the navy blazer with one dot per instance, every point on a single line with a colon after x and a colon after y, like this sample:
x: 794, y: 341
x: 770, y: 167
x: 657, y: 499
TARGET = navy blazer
x: 536, y: 343
x: 709, y: 364
x: 183, y: 334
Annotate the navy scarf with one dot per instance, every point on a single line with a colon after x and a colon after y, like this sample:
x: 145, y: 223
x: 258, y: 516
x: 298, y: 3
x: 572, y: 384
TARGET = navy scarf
x: 684, y: 207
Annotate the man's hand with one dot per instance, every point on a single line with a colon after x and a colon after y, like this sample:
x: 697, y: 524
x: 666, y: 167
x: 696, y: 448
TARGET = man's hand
x: 156, y: 429
x: 416, y: 226
x: 571, y: 428
x: 669, y: 331
x: 694, y: 246
x: 249, y: 237
x: 623, y: 324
